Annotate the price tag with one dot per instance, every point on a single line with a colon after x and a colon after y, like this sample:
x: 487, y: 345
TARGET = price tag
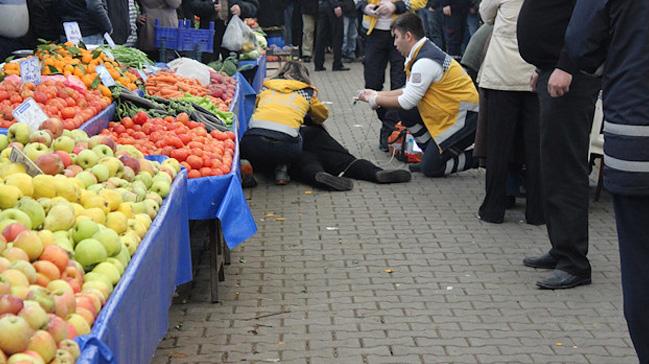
x: 108, y: 54
x: 72, y: 32
x: 30, y: 70
x: 30, y: 113
x: 105, y: 77
x: 17, y: 156
x: 109, y: 40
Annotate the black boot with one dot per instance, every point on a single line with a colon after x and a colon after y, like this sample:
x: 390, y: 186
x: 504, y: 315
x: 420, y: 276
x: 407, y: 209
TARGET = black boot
x: 331, y: 182
x: 393, y: 176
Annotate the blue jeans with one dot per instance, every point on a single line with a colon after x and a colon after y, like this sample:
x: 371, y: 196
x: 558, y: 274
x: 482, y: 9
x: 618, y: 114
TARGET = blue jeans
x: 349, y: 37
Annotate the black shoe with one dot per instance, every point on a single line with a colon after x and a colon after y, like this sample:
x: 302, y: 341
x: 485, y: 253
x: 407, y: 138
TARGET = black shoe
x: 559, y: 279
x: 319, y: 69
x: 337, y: 69
x: 545, y: 261
x: 393, y: 176
x: 490, y: 220
x: 306, y: 59
x: 333, y: 182
x: 414, y: 167
x: 348, y: 60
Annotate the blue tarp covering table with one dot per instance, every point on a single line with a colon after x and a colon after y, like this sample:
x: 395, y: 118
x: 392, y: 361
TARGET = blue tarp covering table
x: 135, y: 318
x: 260, y: 71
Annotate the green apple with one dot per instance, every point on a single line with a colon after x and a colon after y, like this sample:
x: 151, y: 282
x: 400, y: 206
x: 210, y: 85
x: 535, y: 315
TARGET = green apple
x: 63, y: 143
x: 41, y: 136
x: 172, y: 163
x: 124, y: 255
x: 161, y: 188
x: 101, y: 172
x: 109, y: 239
x: 34, y: 211
x: 86, y: 159
x: 114, y: 165
x: 18, y: 215
x: 19, y: 132
x: 96, y: 276
x: 117, y: 263
x: 130, y: 243
x: 103, y: 150
x: 146, y: 178
x: 79, y: 135
x: 9, y: 196
x: 4, y: 141
x: 89, y: 253
x: 162, y: 177
x: 84, y: 229
x: 87, y: 179
x: 108, y: 270
x: 35, y: 150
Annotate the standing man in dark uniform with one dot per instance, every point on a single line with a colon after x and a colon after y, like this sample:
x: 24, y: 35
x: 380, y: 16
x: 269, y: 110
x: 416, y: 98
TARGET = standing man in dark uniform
x: 616, y: 32
x: 567, y: 104
x: 379, y: 51
x: 330, y: 28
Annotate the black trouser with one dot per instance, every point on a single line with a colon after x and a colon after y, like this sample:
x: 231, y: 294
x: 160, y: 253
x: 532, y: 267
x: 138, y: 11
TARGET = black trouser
x: 452, y: 156
x: 329, y: 30
x: 632, y: 217
x: 507, y: 112
x: 379, y: 51
x: 272, y: 149
x: 565, y: 137
x: 454, y: 27
x: 322, y: 153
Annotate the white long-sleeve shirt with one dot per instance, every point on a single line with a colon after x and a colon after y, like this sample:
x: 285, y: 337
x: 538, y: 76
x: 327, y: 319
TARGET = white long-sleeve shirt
x: 423, y: 73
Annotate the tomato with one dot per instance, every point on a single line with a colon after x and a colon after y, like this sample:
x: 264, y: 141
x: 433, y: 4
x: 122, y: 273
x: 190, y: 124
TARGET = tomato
x: 186, y: 165
x: 185, y: 138
x: 127, y: 122
x: 68, y: 112
x: 205, y: 171
x: 230, y: 135
x: 193, y: 174
x: 183, y: 118
x: 39, y: 96
x: 195, y: 161
x: 141, y: 118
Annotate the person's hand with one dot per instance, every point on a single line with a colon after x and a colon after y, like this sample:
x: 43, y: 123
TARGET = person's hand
x: 368, y: 96
x: 217, y: 7
x: 370, y: 10
x: 141, y: 20
x: 447, y: 10
x: 338, y: 11
x: 559, y: 83
x: 235, y: 10
x: 534, y: 79
x: 386, y: 8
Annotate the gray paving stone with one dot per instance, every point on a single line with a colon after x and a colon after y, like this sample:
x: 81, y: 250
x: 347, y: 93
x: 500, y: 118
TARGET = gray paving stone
x: 458, y: 292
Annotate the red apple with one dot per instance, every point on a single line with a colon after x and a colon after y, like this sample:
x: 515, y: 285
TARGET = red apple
x: 50, y: 164
x: 43, y: 343
x: 131, y: 162
x: 72, y: 170
x: 10, y: 304
x: 65, y: 158
x: 70, y: 346
x: 58, y: 328
x: 54, y: 126
x: 56, y: 255
x: 12, y: 230
x: 14, y: 334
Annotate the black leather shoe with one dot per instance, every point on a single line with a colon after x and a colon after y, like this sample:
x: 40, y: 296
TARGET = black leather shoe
x: 319, y: 69
x: 393, y: 176
x: 545, y: 261
x: 334, y: 183
x: 337, y: 69
x: 559, y: 279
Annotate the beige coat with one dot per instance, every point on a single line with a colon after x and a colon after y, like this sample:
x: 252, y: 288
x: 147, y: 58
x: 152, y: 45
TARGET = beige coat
x: 503, y: 67
x: 163, y: 10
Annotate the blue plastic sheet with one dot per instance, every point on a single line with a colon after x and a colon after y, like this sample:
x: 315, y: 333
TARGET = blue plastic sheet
x: 260, y: 73
x: 244, y: 103
x: 135, y: 319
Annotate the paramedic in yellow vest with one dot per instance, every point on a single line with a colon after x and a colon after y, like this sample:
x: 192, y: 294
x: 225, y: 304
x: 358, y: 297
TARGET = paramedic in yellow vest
x: 439, y: 104
x: 272, y: 142
x: 378, y: 16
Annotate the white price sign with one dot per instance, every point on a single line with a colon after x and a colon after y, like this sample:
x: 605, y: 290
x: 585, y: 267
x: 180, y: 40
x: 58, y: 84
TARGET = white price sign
x: 109, y: 40
x: 108, y: 54
x: 72, y: 32
x: 105, y: 77
x: 30, y: 113
x: 30, y: 70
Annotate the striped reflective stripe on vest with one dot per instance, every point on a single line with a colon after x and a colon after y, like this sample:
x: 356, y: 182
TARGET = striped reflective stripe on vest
x: 460, y: 122
x: 626, y: 166
x: 626, y: 130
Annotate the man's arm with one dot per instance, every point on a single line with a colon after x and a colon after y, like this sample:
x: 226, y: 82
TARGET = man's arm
x: 587, y: 36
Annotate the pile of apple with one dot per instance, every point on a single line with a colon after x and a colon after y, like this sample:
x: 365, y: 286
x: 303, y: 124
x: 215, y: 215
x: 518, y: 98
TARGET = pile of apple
x: 203, y: 154
x: 67, y: 235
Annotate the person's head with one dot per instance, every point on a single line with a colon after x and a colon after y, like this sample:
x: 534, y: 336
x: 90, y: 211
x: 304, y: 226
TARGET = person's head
x: 407, y: 30
x: 293, y: 70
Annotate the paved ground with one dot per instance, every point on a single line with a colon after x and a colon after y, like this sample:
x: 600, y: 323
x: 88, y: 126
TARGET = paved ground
x: 396, y: 274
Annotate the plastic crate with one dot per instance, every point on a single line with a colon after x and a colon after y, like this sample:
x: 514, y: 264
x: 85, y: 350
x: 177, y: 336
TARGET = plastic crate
x: 165, y: 37
x: 277, y: 40
x: 190, y: 39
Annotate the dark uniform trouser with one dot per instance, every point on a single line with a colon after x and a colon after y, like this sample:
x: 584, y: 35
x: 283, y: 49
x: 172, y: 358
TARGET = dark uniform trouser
x: 329, y: 29
x: 508, y: 111
x: 632, y: 217
x: 322, y: 153
x: 565, y: 136
x: 454, y: 156
x: 379, y: 51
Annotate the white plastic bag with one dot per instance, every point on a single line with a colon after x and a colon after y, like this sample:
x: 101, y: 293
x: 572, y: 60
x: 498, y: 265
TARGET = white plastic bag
x: 237, y: 35
x: 191, y: 69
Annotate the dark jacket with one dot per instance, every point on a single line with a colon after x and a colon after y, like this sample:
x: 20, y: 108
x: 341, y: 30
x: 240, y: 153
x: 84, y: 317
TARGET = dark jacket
x: 271, y: 13
x: 616, y: 33
x: 205, y: 9
x: 119, y: 19
x: 309, y: 7
x: 349, y: 8
x: 91, y: 15
x: 541, y: 29
x: 329, y: 5
x: 458, y: 4
x: 41, y: 22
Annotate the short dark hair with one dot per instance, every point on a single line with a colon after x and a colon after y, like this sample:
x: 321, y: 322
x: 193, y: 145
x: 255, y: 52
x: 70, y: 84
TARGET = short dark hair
x: 410, y: 22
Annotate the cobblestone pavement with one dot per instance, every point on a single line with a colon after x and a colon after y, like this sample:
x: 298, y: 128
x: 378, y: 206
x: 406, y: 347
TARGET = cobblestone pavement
x: 396, y: 274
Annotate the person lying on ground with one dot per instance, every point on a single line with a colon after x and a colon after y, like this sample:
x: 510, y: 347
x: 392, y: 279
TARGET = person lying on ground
x: 272, y: 142
x: 439, y: 104
x: 324, y: 163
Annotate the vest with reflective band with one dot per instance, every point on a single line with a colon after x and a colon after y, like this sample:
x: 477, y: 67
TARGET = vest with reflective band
x: 448, y: 100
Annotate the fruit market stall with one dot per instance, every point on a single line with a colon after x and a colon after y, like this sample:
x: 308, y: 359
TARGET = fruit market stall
x: 92, y: 234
